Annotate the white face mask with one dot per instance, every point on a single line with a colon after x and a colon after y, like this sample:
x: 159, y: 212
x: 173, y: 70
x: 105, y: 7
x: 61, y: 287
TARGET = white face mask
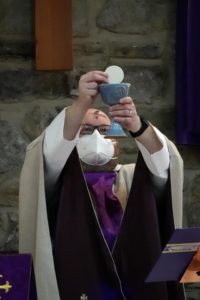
x: 95, y: 150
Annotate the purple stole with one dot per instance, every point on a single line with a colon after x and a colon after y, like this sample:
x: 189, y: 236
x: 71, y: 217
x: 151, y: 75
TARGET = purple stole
x: 108, y: 207
x: 85, y: 266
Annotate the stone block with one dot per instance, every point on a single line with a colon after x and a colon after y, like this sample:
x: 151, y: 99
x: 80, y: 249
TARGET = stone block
x: 147, y: 83
x: 17, y: 47
x: 88, y: 48
x: 13, y: 145
x: 80, y: 18
x: 190, y: 156
x: 8, y: 231
x: 193, y: 206
x: 9, y: 188
x: 17, y: 18
x: 134, y: 49
x: 23, y: 85
x: 136, y: 17
x: 37, y: 119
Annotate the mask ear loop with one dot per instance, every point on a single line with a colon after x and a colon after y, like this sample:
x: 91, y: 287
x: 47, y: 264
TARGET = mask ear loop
x: 114, y: 143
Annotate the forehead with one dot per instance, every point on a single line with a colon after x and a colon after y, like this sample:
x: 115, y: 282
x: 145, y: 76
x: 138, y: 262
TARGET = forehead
x: 96, y: 117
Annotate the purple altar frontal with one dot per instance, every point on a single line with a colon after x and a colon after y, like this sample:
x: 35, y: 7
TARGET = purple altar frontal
x: 180, y: 259
x: 17, y: 280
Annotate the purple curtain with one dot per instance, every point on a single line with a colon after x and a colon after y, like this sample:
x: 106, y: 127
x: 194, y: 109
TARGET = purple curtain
x: 188, y: 72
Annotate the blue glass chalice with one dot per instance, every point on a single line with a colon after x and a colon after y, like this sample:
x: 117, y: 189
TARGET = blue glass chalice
x: 111, y: 93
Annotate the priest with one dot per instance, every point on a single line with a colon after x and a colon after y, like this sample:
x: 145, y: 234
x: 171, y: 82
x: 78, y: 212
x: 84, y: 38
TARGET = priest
x: 95, y: 227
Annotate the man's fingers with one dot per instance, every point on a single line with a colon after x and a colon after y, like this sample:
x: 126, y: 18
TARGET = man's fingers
x: 124, y: 103
x: 96, y: 76
x: 129, y: 112
x: 126, y: 100
x: 91, y: 85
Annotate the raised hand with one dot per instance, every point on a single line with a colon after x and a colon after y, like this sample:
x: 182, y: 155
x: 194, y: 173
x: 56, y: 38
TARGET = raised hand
x: 126, y: 114
x: 88, y: 87
x: 88, y: 90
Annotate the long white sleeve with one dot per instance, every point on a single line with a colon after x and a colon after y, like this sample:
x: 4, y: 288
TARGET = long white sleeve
x: 157, y: 163
x: 56, y: 149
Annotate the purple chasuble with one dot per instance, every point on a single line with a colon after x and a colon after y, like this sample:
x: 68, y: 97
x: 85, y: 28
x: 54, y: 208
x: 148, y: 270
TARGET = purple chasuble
x: 108, y: 207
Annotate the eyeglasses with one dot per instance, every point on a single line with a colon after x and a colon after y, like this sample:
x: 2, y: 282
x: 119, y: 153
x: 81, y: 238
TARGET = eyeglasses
x: 89, y: 129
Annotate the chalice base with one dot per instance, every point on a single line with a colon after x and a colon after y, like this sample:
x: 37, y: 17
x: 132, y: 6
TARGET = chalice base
x: 115, y: 131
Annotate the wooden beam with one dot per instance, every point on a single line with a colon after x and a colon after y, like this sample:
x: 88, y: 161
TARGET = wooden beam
x: 53, y: 32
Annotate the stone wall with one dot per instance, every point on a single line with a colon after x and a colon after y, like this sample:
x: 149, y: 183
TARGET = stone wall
x: 137, y: 35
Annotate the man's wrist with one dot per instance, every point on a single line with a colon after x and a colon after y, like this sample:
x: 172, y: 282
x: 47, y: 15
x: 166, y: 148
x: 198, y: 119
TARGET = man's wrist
x: 144, y: 126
